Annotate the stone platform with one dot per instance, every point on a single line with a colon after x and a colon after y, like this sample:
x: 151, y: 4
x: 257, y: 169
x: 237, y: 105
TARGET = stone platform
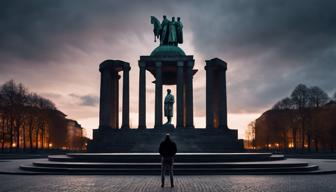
x: 188, y: 140
x: 185, y: 164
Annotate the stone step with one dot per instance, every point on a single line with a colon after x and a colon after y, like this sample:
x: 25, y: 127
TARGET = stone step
x: 154, y: 157
x: 185, y: 164
x: 275, y: 164
x: 177, y: 171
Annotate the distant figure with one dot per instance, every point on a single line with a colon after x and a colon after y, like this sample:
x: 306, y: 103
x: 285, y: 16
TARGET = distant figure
x: 168, y: 106
x: 167, y: 151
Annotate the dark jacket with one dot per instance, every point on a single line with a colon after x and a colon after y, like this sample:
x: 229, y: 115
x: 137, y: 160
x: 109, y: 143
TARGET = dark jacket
x: 167, y: 148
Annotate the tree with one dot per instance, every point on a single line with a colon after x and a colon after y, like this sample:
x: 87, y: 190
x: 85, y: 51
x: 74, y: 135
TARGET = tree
x: 317, y: 97
x: 8, y: 91
x: 32, y: 116
x: 3, y: 123
x: 22, y: 112
x: 286, y: 103
x: 300, y: 97
x: 45, y: 107
x: 250, y: 135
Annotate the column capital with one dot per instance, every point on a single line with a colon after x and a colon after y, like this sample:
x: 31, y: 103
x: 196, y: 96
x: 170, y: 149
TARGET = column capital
x: 105, y: 67
x: 142, y: 64
x: 207, y: 67
x: 126, y: 68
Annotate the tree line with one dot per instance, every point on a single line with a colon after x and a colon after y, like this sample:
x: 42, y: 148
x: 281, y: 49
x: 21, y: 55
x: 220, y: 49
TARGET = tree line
x: 303, y: 121
x: 28, y: 120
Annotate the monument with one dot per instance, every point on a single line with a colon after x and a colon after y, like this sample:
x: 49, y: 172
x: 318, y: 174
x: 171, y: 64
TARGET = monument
x: 200, y: 150
x: 170, y: 66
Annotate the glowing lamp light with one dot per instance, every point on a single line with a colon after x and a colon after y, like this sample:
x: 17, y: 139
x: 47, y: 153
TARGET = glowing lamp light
x: 50, y: 144
x: 14, y: 145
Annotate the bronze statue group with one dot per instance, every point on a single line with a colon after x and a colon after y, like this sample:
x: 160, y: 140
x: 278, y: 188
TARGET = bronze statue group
x: 169, y: 32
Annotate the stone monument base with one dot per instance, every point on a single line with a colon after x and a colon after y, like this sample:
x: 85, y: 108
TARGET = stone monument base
x: 193, y: 140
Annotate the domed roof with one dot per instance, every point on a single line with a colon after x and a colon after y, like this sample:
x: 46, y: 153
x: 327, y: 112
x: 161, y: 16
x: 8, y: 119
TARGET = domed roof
x: 167, y: 50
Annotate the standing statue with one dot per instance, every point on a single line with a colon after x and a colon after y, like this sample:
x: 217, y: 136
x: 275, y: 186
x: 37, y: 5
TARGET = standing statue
x: 169, y: 32
x: 168, y: 106
x: 164, y: 30
x: 179, y: 31
x: 172, y: 38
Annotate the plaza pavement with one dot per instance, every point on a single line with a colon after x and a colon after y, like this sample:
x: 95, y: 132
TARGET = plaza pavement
x: 277, y: 183
x: 12, y: 180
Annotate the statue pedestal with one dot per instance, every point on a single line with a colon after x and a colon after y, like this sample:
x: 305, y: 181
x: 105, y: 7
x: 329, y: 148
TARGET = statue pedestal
x: 198, y: 140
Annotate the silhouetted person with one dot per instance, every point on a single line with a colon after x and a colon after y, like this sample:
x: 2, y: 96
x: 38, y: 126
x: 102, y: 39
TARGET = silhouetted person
x: 167, y: 151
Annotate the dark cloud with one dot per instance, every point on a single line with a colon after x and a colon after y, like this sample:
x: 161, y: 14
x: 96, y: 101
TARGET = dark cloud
x: 270, y: 45
x: 86, y: 100
x: 42, y: 30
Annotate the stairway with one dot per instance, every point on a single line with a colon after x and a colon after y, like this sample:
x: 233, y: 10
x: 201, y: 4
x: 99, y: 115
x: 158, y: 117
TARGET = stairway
x: 185, y: 164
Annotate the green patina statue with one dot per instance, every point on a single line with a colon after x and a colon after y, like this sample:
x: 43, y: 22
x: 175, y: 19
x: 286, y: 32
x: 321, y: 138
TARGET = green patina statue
x: 169, y: 32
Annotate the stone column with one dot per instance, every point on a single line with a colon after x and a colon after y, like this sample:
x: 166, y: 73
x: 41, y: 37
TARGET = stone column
x: 179, y: 103
x: 125, y: 105
x: 112, y: 102
x: 158, y: 94
x: 222, y: 100
x: 189, y: 95
x: 142, y: 96
x: 116, y: 100
x: 105, y: 98
x: 209, y: 97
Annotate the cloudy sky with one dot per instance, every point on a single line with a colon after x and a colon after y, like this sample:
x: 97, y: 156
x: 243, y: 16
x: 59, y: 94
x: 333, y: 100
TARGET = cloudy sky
x: 55, y: 48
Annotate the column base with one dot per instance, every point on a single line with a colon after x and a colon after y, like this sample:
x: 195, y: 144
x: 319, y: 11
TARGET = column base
x: 157, y: 126
x: 210, y: 127
x: 104, y: 127
x: 142, y: 127
x: 190, y: 127
x: 224, y: 127
x: 125, y: 126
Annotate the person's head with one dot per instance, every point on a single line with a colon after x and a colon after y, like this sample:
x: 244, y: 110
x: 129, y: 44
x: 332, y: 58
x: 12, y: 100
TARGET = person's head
x: 168, y: 91
x: 167, y: 137
x: 164, y: 17
x: 178, y: 18
x: 173, y: 18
